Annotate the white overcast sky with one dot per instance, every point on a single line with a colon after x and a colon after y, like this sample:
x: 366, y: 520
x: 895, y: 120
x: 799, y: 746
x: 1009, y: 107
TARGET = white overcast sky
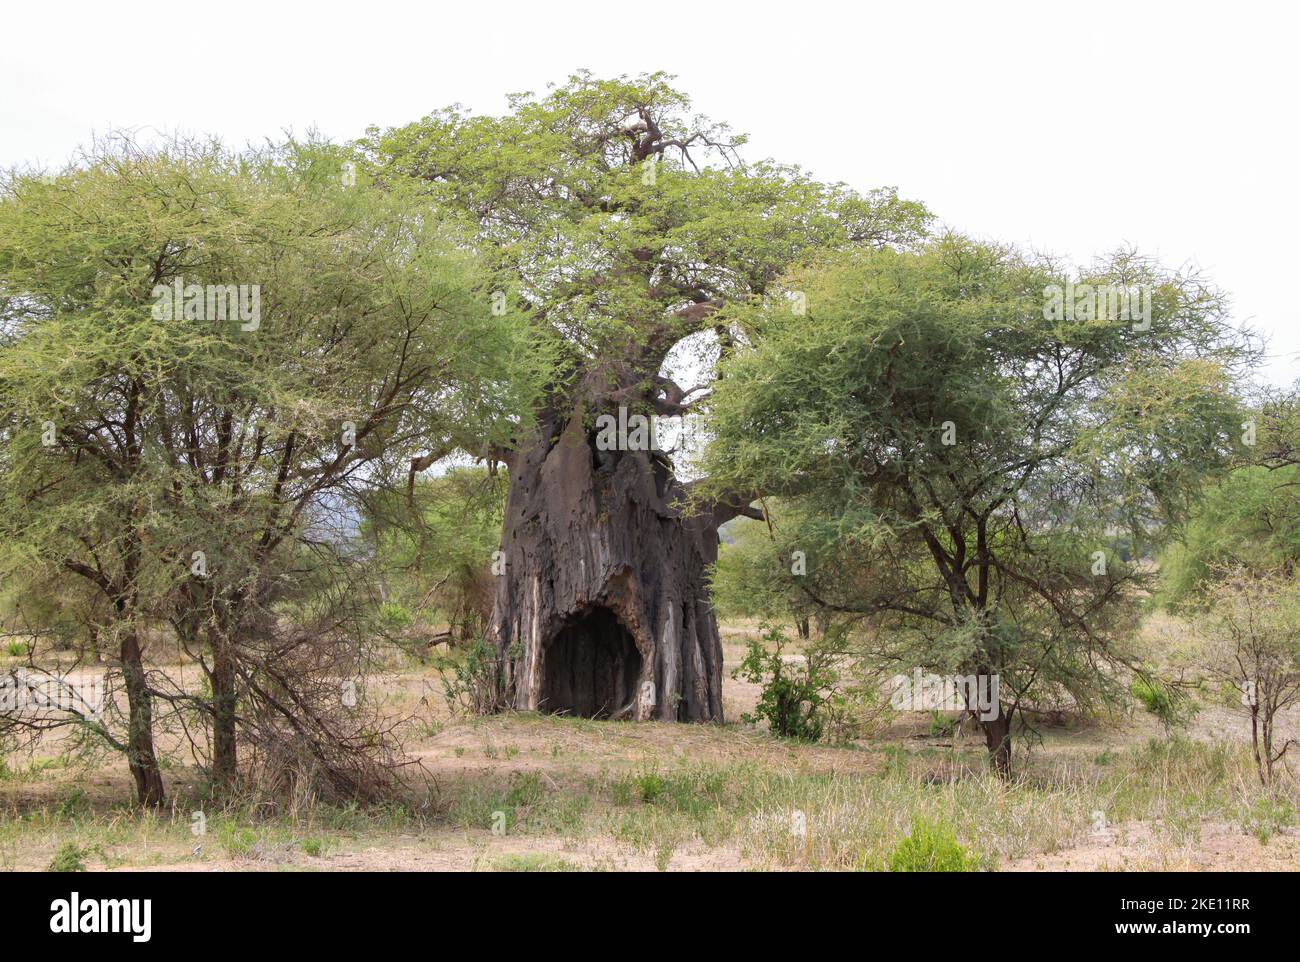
x: 1066, y: 127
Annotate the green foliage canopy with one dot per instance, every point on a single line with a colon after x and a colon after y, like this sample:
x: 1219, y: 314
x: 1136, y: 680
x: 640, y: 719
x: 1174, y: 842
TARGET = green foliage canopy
x: 970, y: 456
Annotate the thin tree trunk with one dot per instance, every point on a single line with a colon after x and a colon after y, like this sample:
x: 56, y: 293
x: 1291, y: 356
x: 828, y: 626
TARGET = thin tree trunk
x: 997, y: 737
x: 1254, y: 743
x: 224, y: 751
x: 140, y: 750
x: 1268, y: 741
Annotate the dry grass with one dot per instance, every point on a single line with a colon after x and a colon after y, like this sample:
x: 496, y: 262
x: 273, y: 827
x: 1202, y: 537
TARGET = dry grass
x: 526, y: 792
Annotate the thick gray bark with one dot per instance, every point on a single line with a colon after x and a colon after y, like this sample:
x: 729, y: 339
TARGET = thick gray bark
x: 602, y: 609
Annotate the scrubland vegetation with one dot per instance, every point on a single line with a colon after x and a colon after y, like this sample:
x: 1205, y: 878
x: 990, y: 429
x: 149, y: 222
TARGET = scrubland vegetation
x: 325, y: 544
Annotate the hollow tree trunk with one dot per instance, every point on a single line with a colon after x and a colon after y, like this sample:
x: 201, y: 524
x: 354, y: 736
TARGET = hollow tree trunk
x: 601, y: 608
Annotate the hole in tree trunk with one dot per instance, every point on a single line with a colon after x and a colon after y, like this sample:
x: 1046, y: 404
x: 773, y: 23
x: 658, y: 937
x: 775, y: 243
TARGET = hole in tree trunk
x: 592, y: 666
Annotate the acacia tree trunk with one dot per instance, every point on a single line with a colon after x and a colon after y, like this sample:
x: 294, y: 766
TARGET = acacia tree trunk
x: 205, y: 624
x: 997, y: 738
x: 141, y: 758
x: 601, y: 607
x: 225, y: 764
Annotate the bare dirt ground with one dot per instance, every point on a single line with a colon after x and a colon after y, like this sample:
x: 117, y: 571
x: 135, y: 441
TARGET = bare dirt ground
x: 1219, y: 847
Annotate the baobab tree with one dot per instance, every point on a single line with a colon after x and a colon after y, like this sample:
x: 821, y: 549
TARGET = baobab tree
x: 625, y: 224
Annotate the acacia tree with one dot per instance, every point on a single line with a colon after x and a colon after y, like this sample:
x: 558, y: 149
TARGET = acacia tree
x: 974, y: 456
x: 1252, y: 644
x: 1248, y: 520
x: 1278, y: 443
x: 627, y: 225
x: 192, y: 465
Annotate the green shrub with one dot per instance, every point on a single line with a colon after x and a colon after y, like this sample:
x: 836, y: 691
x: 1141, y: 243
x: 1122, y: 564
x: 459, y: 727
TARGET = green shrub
x: 930, y: 847
x: 649, y: 787
x: 238, y: 842
x: 793, y: 701
x: 525, y: 789
x: 70, y: 857
x: 16, y: 649
x: 1267, y: 816
x: 471, y: 682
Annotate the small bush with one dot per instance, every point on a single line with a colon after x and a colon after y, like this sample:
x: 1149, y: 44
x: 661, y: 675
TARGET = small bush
x: 525, y: 789
x: 70, y: 857
x: 793, y: 701
x: 16, y: 649
x: 663, y: 856
x: 649, y: 787
x: 472, y: 683
x: 1267, y: 816
x: 930, y: 847
x: 238, y: 842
